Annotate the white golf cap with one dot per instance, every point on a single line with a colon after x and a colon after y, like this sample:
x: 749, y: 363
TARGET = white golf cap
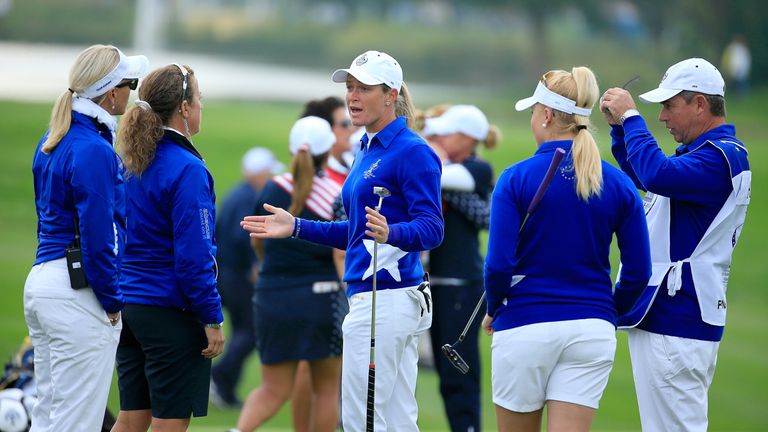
x: 129, y: 67
x: 548, y: 98
x: 467, y: 119
x: 372, y: 68
x: 312, y: 133
x: 694, y: 74
x: 258, y: 160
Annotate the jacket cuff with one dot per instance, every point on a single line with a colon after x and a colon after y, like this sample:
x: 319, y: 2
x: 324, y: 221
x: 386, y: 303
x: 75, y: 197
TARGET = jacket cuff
x: 395, y: 234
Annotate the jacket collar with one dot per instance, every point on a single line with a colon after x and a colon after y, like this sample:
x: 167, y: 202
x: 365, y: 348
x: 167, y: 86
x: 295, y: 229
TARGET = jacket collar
x: 182, y: 141
x: 388, y: 134
x: 723, y: 131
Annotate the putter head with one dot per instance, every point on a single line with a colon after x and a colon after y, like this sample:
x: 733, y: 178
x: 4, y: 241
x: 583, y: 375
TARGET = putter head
x: 381, y: 191
x: 455, y: 359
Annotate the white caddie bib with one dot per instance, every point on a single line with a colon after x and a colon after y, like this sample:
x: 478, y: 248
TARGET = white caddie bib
x: 710, y: 261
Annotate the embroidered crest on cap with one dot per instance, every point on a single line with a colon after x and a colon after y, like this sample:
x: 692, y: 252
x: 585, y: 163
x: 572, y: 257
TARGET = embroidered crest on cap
x: 361, y: 60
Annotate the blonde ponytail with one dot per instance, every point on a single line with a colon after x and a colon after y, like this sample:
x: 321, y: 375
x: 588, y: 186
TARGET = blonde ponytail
x: 61, y: 120
x: 404, y: 107
x: 90, y: 66
x: 579, y: 85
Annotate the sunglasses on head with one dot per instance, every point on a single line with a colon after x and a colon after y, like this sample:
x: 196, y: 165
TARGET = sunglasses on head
x: 132, y: 84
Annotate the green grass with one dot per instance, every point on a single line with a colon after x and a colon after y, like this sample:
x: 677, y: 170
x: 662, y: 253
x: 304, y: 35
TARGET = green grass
x: 738, y: 396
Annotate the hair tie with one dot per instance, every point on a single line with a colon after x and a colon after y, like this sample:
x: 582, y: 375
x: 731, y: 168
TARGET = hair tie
x: 580, y: 127
x: 71, y: 91
x: 143, y: 105
x: 304, y: 147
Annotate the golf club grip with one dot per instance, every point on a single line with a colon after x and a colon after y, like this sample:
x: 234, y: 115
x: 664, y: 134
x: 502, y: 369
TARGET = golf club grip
x: 369, y: 405
x: 556, y: 159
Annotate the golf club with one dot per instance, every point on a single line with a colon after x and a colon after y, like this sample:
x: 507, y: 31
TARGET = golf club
x: 450, y: 349
x: 382, y: 193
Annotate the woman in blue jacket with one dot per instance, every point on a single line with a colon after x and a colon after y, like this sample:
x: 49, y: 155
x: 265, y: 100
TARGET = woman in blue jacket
x: 551, y: 309
x: 79, y: 199
x: 173, y: 312
x: 410, y: 221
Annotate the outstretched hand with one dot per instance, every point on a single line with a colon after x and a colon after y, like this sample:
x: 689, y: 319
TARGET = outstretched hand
x: 277, y: 225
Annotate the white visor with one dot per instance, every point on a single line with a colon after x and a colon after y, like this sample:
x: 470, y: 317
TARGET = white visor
x: 547, y: 97
x: 130, y: 67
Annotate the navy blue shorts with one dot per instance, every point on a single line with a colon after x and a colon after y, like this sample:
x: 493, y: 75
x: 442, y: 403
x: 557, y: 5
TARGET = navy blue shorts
x: 299, y: 322
x: 159, y: 360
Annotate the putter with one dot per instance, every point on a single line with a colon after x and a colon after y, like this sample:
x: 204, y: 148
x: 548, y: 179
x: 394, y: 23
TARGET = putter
x: 450, y: 349
x: 382, y: 193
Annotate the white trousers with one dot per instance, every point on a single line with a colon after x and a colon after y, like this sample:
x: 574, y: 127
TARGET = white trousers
x: 398, y: 325
x: 75, y: 349
x: 672, y: 378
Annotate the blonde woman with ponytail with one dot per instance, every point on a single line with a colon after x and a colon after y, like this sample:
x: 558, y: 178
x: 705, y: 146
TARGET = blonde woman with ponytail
x: 298, y: 302
x: 552, y: 312
x: 394, y: 157
x: 173, y: 311
x: 80, y: 203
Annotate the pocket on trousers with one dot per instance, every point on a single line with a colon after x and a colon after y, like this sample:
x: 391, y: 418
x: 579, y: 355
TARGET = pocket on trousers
x: 50, y: 280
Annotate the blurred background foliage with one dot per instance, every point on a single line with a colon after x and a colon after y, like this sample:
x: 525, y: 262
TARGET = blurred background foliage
x: 480, y: 43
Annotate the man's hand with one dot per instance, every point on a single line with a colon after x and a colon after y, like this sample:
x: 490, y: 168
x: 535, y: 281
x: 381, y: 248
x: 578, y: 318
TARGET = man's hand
x: 614, y: 103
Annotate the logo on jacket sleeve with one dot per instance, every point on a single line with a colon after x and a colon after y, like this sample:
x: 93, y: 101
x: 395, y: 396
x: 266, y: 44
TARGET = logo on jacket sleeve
x: 369, y: 172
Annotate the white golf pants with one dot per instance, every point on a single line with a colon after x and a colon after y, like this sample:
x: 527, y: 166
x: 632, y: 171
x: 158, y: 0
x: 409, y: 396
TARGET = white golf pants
x: 75, y: 349
x: 672, y: 378
x: 398, y: 324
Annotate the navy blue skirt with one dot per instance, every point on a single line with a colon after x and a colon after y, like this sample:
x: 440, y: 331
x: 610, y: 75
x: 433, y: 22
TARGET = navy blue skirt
x: 298, y: 321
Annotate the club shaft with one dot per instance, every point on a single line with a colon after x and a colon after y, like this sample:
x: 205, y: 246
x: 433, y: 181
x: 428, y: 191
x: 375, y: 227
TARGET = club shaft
x: 370, y: 402
x: 472, y: 318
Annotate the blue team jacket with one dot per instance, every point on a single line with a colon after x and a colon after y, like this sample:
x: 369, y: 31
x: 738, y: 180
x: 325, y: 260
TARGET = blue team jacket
x: 563, y: 249
x: 400, y: 160
x: 82, y: 177
x: 697, y: 183
x: 169, y: 256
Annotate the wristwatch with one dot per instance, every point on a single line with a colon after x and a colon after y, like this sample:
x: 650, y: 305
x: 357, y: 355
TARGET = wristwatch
x: 627, y: 114
x: 215, y: 325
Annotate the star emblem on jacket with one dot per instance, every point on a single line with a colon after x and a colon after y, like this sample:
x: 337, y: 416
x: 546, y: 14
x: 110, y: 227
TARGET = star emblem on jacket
x: 387, y: 256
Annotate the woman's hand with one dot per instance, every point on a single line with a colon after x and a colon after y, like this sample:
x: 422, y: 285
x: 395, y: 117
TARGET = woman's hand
x: 487, y: 320
x: 277, y: 225
x: 215, y: 342
x: 377, y: 225
x: 114, y: 318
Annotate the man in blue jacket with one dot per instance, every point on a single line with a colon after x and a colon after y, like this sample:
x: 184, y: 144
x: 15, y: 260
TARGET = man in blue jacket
x: 695, y: 203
